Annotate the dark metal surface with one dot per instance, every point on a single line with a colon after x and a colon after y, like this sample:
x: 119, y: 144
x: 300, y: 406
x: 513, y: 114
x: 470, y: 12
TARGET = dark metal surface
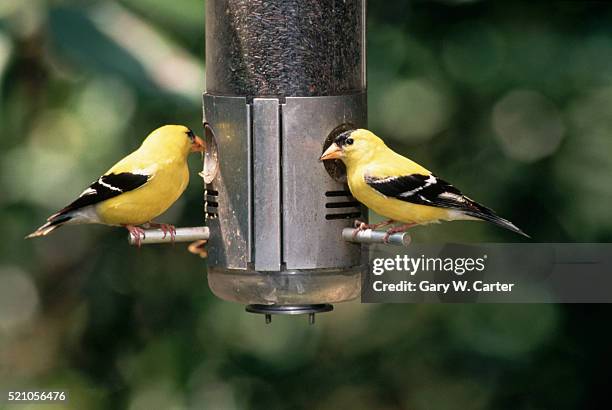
x: 289, y: 310
x: 285, y: 47
x: 310, y: 310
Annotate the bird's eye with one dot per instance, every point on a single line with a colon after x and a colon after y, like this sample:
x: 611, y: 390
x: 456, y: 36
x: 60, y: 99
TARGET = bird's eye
x: 190, y: 134
x: 349, y: 141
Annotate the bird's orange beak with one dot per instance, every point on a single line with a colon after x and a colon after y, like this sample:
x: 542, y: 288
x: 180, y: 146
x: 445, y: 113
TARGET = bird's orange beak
x: 198, y: 145
x: 333, y: 152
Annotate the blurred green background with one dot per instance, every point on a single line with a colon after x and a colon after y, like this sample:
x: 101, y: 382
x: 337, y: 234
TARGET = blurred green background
x: 511, y: 101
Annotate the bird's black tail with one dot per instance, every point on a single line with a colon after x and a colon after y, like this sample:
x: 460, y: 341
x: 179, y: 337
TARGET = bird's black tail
x: 482, y: 212
x: 54, y: 222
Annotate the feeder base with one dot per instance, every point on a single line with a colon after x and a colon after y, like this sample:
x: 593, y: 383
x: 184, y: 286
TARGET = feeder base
x: 310, y: 310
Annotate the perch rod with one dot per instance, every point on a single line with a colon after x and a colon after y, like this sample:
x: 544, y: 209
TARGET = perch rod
x: 189, y: 234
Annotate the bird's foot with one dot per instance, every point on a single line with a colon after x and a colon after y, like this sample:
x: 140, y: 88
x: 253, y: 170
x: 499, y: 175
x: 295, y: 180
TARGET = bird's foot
x: 165, y: 228
x: 401, y: 228
x: 358, y: 223
x: 198, y: 248
x: 384, y: 223
x: 137, y: 233
x: 362, y: 226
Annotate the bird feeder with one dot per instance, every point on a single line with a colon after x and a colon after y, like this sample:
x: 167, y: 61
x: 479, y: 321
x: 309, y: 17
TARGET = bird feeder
x: 283, y: 78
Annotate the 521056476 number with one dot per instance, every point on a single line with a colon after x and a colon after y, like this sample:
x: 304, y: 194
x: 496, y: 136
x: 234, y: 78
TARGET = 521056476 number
x: 37, y: 396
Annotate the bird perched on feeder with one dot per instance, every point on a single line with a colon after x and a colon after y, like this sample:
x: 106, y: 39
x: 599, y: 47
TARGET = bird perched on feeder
x: 136, y: 189
x: 400, y: 189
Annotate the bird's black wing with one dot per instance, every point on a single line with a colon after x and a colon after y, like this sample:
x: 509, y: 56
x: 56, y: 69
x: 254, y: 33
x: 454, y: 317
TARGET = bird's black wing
x: 421, y: 189
x: 106, y: 187
x: 432, y: 191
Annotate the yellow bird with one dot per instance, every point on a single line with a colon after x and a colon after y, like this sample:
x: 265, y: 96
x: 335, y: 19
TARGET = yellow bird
x: 137, y: 189
x: 400, y: 189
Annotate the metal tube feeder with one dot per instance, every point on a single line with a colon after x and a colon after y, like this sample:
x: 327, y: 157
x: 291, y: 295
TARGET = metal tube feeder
x: 282, y: 78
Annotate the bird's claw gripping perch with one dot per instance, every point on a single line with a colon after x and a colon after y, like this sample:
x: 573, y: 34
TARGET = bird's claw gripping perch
x: 369, y: 236
x: 359, y: 227
x: 165, y: 228
x: 362, y: 226
x: 171, y: 234
x: 169, y: 229
x: 401, y: 228
x: 137, y: 233
x: 358, y: 224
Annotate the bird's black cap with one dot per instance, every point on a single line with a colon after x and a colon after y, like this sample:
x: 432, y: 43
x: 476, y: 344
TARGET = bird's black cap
x: 190, y: 134
x: 340, y: 140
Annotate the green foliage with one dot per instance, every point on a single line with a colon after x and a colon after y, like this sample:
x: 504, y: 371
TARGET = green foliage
x: 508, y: 100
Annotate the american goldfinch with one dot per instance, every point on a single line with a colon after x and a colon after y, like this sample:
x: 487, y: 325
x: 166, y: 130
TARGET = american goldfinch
x: 136, y: 189
x: 400, y: 189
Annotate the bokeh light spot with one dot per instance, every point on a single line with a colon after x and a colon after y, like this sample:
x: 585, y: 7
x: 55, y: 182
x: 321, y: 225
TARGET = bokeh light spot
x: 473, y: 53
x: 528, y: 125
x: 415, y: 110
x: 105, y: 106
x: 18, y: 298
x: 6, y: 48
x: 159, y: 395
x: 499, y: 330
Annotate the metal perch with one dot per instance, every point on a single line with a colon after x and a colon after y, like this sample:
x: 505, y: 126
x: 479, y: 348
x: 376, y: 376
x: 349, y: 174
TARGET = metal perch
x: 370, y: 236
x: 188, y: 234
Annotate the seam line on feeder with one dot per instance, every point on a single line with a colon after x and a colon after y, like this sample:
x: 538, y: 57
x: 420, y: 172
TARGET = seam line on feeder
x: 280, y: 182
x: 251, y: 179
